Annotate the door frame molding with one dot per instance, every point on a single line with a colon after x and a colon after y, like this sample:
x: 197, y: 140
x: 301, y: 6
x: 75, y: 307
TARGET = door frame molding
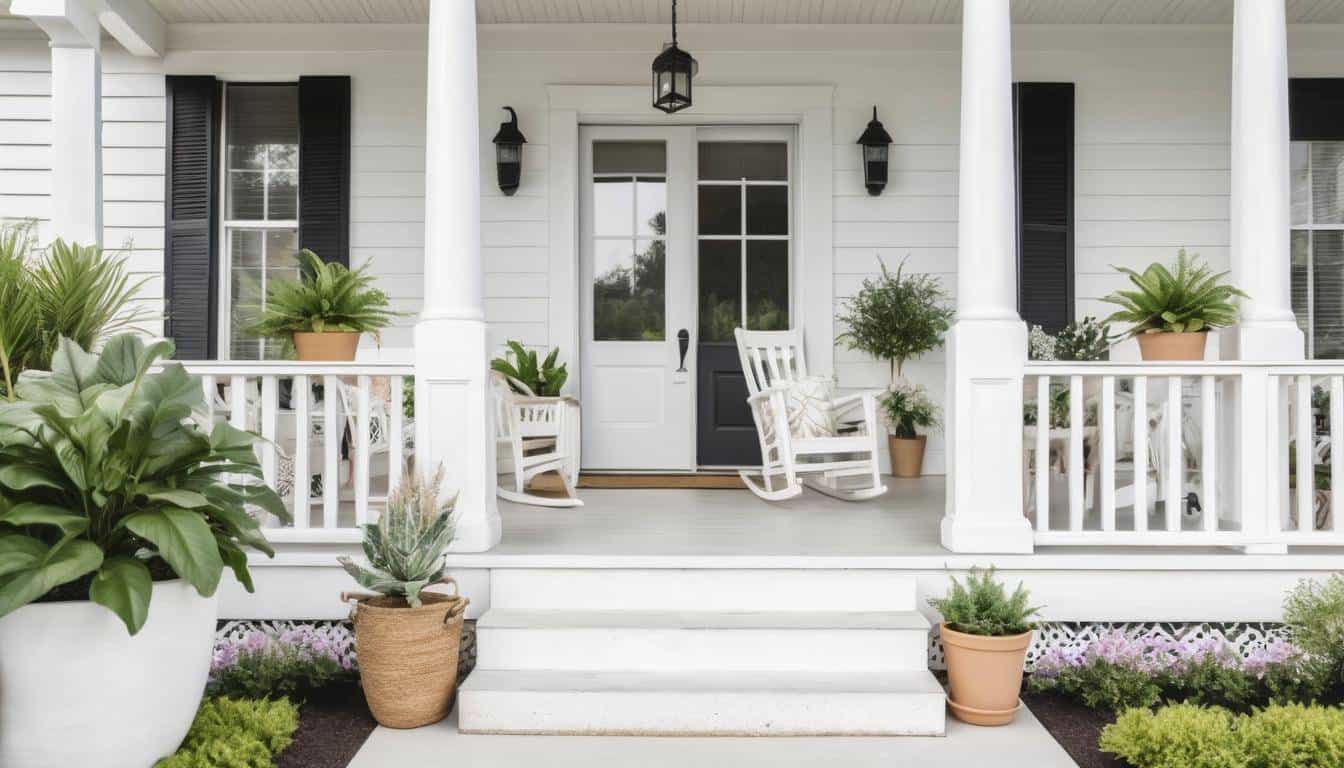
x: 808, y: 107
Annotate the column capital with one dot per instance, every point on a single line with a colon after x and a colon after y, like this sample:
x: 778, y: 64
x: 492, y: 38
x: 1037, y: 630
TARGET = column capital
x: 67, y: 23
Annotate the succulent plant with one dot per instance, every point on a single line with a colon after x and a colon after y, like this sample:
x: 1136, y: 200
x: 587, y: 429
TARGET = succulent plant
x: 405, y: 548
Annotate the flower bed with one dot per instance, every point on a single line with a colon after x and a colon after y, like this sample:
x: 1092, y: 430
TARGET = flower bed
x: 293, y: 661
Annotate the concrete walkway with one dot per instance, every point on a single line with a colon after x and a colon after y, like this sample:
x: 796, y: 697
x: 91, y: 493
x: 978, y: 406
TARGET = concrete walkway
x: 1024, y: 744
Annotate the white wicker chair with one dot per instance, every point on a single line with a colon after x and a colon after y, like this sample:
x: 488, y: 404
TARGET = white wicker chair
x: 534, y: 435
x: 771, y: 359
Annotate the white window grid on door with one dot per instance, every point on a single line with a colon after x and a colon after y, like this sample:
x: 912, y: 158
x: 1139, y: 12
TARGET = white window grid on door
x: 750, y: 136
x: 230, y: 227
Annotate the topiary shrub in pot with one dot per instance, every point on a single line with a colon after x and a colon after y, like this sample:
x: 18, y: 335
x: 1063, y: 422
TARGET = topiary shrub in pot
x: 1173, y: 309
x: 325, y: 311
x: 407, y: 638
x: 985, y: 633
x: 118, y: 515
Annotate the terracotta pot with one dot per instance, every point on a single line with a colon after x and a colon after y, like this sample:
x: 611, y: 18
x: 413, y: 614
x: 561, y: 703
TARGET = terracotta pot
x: 1172, y: 346
x: 907, y: 455
x: 984, y: 675
x: 337, y: 346
x: 408, y: 656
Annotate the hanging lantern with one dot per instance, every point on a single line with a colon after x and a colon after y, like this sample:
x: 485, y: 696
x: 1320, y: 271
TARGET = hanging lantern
x: 876, y: 142
x: 509, y: 154
x: 673, y: 70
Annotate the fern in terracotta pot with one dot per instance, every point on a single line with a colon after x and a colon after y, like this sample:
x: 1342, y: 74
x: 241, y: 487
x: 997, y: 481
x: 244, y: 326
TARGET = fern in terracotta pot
x: 1173, y: 308
x: 985, y: 634
x: 326, y: 310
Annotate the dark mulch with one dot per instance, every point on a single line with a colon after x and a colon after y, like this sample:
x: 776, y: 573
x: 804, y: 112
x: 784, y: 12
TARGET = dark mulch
x: 333, y: 724
x: 1074, y: 726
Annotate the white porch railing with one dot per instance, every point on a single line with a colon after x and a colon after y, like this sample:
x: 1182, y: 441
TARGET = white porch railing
x: 1184, y: 454
x: 336, y: 436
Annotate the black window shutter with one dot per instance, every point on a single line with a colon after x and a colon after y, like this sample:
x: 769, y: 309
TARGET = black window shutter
x: 191, y: 223
x: 1315, y: 108
x: 324, y: 166
x: 1043, y: 116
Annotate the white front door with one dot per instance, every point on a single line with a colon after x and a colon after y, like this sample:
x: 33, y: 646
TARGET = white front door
x: 637, y: 285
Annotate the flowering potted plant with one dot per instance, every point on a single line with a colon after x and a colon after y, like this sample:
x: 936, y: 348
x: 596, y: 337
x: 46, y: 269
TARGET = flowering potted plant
x: 1173, y: 309
x: 407, y: 638
x: 118, y: 516
x: 985, y: 634
x: 897, y: 318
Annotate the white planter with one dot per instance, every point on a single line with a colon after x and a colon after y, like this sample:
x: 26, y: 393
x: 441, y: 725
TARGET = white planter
x: 77, y: 690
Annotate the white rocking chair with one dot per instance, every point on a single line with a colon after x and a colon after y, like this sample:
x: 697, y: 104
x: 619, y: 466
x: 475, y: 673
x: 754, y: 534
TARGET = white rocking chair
x: 534, y: 435
x: 771, y: 359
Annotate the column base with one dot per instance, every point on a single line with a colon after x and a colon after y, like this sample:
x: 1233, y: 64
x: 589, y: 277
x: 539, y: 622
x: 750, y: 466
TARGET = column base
x: 976, y: 536
x: 1274, y: 340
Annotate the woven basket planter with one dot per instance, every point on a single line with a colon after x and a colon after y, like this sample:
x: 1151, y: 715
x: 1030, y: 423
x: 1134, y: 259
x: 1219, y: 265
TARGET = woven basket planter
x: 408, y: 656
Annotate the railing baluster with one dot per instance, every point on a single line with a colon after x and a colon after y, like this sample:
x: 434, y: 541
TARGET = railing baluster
x: 1276, y: 469
x: 1336, y: 450
x: 1076, y: 468
x: 270, y: 408
x: 331, y: 464
x: 1106, y: 423
x: 208, y: 389
x: 1306, y: 455
x: 302, y: 437
x: 362, y: 457
x: 1140, y: 453
x: 238, y: 402
x: 394, y: 439
x: 1209, y: 459
x: 1175, y: 483
x: 1042, y: 453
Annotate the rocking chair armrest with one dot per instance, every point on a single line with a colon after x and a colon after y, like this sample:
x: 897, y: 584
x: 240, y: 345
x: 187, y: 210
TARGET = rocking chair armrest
x: 536, y: 400
x: 849, y: 401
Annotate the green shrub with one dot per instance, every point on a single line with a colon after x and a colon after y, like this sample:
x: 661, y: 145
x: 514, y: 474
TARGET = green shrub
x: 1191, y: 736
x: 1104, y: 686
x: 981, y: 606
x: 292, y: 663
x: 236, y: 733
x: 896, y: 317
x: 1314, y: 613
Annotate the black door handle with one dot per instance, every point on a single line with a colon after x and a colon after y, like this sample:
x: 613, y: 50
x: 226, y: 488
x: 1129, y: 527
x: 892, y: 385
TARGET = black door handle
x: 684, y: 343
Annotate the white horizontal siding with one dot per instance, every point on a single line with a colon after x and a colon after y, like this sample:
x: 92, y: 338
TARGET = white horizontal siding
x: 25, y: 130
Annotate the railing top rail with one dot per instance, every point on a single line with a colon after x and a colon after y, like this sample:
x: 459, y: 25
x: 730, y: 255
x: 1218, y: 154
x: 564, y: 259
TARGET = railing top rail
x: 1159, y: 368
x: 293, y: 367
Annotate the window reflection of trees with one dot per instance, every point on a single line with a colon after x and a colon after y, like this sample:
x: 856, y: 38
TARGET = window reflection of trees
x: 629, y: 300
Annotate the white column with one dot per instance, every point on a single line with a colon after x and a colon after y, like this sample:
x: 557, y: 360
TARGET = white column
x: 1260, y: 185
x: 453, y: 424
x: 987, y: 347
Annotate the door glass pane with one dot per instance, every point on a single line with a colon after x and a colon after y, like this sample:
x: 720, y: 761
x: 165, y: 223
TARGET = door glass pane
x: 752, y: 160
x: 628, y: 290
x: 767, y: 285
x: 613, y: 207
x: 768, y: 210
x: 1300, y: 151
x: 720, y: 289
x: 1327, y: 257
x: 1301, y: 242
x: 651, y: 200
x: 1327, y: 182
x: 629, y: 157
x: 720, y: 210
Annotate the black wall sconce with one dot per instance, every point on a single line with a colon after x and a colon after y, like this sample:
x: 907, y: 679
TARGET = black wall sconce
x: 876, y: 146
x: 509, y: 154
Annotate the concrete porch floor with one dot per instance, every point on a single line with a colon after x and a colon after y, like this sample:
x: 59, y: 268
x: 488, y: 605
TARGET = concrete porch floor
x: 1024, y: 744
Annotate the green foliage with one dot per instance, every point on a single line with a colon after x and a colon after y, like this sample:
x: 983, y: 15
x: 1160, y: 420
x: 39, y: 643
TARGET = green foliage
x: 1191, y: 736
x: 982, y: 606
x: 68, y: 291
x: 102, y: 473
x: 1103, y: 686
x: 405, y: 549
x: 277, y: 670
x: 1085, y: 340
x: 1185, y: 298
x: 327, y: 297
x: 896, y: 317
x: 236, y: 733
x: 1314, y: 614
x: 526, y: 376
x: 907, y: 407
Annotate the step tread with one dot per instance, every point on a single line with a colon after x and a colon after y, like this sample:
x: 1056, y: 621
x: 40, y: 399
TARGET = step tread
x: 692, y: 620
x: 706, y: 682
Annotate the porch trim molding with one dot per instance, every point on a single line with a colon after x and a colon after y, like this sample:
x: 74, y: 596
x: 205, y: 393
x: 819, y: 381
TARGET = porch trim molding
x: 807, y: 107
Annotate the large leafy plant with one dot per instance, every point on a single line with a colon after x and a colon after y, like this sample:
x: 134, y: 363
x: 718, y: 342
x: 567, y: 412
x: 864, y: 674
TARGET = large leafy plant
x: 1184, y: 298
x: 73, y: 291
x: 896, y: 317
x: 406, y: 548
x: 105, y: 478
x: 527, y: 376
x: 982, y: 606
x: 326, y: 298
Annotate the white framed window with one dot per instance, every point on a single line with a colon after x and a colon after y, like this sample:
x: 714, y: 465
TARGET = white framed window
x: 260, y: 210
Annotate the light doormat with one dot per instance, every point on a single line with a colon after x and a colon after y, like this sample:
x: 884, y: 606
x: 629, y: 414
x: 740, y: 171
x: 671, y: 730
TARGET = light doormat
x: 551, y: 482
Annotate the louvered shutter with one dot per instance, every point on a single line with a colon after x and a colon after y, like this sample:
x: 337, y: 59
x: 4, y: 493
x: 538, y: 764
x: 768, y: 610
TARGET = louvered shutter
x: 324, y: 166
x: 1043, y: 115
x: 191, y: 215
x: 1316, y: 124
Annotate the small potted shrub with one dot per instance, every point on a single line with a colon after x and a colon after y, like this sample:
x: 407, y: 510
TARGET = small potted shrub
x: 528, y: 377
x: 325, y: 311
x: 985, y: 633
x: 896, y: 318
x: 908, y: 408
x: 1173, y: 309
x: 118, y: 516
x: 407, y: 638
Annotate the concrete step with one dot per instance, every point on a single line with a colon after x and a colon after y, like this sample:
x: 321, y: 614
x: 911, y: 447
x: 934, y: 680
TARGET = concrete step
x: 701, y: 703
x: 702, y: 640
x: 701, y: 589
